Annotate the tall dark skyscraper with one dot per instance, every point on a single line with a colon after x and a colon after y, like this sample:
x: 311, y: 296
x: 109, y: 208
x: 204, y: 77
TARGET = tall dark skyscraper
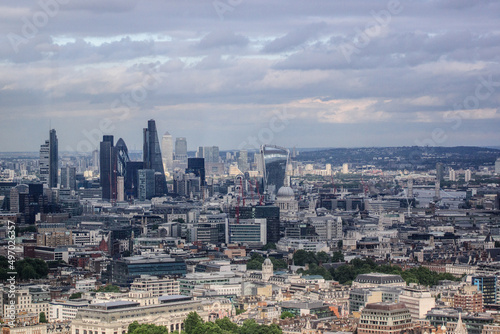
x: 181, y: 149
x: 108, y: 167
x: 49, y: 160
x: 274, y: 160
x: 68, y: 178
x: 152, y: 152
x: 197, y: 167
x: 122, y: 160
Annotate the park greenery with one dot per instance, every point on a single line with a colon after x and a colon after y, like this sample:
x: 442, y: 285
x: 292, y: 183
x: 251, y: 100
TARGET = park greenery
x: 194, y: 324
x: 108, y: 288
x: 346, y: 273
x: 287, y: 314
x: 257, y: 260
x: 269, y: 245
x: 26, y: 269
x: 302, y: 257
x: 75, y: 295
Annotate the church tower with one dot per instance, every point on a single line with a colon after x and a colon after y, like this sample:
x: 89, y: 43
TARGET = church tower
x: 267, y: 270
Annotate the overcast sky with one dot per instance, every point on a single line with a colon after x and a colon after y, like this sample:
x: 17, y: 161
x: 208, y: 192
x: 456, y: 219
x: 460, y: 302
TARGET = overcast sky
x: 241, y: 73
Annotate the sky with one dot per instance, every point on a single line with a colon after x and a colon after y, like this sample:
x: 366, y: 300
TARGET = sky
x: 242, y: 73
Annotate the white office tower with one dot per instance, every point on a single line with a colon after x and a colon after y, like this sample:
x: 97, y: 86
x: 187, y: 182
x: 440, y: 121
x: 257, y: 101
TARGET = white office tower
x: 345, y: 168
x: 120, y: 188
x: 167, y: 153
x: 497, y: 166
x: 468, y: 175
x: 453, y: 175
x: 410, y: 187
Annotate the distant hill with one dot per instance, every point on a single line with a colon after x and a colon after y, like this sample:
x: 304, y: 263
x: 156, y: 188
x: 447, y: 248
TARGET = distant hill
x: 415, y: 157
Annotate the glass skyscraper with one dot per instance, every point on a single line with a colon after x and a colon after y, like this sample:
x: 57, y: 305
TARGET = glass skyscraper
x: 152, y: 152
x: 107, y: 163
x: 181, y: 149
x: 274, y: 159
x: 49, y: 160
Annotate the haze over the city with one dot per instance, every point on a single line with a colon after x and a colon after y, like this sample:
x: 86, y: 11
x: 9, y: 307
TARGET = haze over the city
x: 294, y: 73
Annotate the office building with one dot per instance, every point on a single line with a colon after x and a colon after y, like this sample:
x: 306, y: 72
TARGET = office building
x: 440, y: 171
x: 30, y: 299
x: 122, y: 158
x: 249, y: 231
x: 418, y: 300
x: 197, y: 167
x: 211, y: 229
x: 487, y: 285
x: 68, y: 178
x: 345, y: 168
x: 452, y: 175
x: 359, y: 298
x: 181, y: 149
x: 385, y: 318
x: 270, y: 212
x: 167, y: 153
x: 157, y: 286
x: 108, y: 171
x: 377, y: 280
x: 497, y: 166
x: 114, y: 317
x: 120, y: 189
x: 209, y: 153
x: 152, y: 153
x: 124, y: 272
x: 49, y: 160
x: 275, y: 160
x: 299, y: 308
x: 190, y: 281
x: 95, y: 160
x: 65, y: 310
x: 468, y: 175
x: 132, y: 178
x: 469, y: 299
x: 448, y: 316
x: 146, y: 184
x: 243, y: 161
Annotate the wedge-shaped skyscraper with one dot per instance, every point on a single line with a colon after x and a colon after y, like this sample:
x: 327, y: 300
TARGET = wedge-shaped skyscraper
x: 274, y: 159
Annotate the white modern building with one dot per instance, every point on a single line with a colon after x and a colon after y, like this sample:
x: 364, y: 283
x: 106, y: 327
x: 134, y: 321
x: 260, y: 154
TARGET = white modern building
x: 156, y: 285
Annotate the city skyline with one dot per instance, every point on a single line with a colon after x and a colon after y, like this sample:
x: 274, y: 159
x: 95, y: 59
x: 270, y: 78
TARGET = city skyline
x: 338, y: 74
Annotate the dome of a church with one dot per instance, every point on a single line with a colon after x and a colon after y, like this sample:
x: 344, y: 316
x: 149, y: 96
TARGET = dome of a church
x: 267, y: 262
x: 285, y: 192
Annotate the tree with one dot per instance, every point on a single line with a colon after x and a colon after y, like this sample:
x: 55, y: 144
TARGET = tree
x: 76, y: 295
x: 109, y: 288
x: 136, y: 328
x: 269, y: 245
x: 192, y: 321
x: 338, y: 257
x: 227, y: 325
x: 302, y: 257
x: 240, y: 311
x: 323, y: 257
x: 287, y: 314
x: 42, y: 318
x: 29, y: 268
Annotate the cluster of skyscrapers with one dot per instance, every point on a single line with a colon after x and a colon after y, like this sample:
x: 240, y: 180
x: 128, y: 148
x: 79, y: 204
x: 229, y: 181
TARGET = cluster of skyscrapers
x: 123, y: 179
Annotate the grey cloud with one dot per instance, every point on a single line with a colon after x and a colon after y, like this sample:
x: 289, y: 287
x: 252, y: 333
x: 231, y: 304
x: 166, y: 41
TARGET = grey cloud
x: 221, y: 39
x: 294, y: 38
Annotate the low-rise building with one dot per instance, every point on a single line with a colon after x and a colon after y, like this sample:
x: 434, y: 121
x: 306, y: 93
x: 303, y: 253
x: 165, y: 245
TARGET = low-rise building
x: 156, y: 285
x: 115, y: 317
x: 385, y: 318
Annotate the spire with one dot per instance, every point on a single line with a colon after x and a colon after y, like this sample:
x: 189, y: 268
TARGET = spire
x: 461, y: 328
